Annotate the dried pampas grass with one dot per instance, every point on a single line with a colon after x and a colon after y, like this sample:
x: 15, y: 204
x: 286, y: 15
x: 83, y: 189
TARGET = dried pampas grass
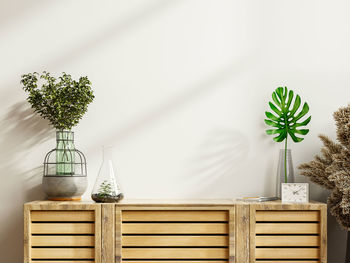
x: 331, y: 169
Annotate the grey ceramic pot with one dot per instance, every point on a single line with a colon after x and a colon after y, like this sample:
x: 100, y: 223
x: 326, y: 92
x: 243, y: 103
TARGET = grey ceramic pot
x: 64, y: 188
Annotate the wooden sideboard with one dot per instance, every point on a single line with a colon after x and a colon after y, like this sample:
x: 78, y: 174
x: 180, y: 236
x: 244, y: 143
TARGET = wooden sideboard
x: 175, y: 231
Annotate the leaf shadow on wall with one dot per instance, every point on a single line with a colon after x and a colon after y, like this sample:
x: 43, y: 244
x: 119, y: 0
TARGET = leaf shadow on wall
x: 202, y: 88
x: 148, y: 119
x: 20, y: 132
x: 12, y: 10
x: 59, y: 60
x: 220, y: 159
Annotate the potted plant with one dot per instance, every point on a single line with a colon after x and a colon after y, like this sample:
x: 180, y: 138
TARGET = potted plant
x: 285, y: 121
x: 331, y: 170
x: 63, y: 102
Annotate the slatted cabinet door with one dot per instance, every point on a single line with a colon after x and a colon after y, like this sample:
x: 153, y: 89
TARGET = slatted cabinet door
x: 288, y: 235
x: 56, y: 235
x: 175, y: 235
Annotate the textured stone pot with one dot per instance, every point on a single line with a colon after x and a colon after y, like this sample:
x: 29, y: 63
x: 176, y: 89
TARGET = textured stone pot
x: 64, y: 188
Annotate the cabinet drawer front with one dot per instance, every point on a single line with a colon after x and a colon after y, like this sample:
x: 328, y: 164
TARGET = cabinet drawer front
x: 62, y: 236
x: 287, y: 235
x: 175, y: 235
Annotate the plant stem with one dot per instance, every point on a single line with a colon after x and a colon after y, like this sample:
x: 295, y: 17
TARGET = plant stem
x: 285, y: 160
x: 348, y: 249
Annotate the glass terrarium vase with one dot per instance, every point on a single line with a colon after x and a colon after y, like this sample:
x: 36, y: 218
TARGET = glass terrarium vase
x: 106, y: 189
x: 285, y: 170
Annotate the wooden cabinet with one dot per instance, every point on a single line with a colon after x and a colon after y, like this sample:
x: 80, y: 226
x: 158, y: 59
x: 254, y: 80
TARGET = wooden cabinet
x: 191, y: 231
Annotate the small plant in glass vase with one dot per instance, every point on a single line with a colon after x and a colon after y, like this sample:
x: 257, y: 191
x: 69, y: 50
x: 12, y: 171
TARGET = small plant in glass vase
x: 105, y: 193
x: 285, y: 120
x: 106, y: 188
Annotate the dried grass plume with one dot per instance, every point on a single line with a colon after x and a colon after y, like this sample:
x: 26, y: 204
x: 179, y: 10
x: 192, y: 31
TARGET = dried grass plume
x: 331, y: 169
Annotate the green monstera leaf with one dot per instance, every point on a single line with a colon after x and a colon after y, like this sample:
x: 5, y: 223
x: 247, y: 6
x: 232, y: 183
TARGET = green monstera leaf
x: 285, y: 119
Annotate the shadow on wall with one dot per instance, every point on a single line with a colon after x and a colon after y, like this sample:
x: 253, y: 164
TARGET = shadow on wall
x: 20, y: 132
x: 12, y: 10
x: 220, y: 158
x: 203, y: 87
x: 107, y: 33
x: 116, y: 30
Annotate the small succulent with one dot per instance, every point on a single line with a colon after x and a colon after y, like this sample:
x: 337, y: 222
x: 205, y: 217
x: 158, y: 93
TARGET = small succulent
x: 105, y: 190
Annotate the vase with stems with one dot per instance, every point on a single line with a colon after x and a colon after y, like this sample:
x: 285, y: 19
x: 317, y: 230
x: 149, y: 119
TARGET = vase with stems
x: 285, y: 120
x: 63, y: 101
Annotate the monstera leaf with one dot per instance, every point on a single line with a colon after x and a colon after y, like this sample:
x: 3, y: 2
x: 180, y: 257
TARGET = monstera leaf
x: 285, y: 119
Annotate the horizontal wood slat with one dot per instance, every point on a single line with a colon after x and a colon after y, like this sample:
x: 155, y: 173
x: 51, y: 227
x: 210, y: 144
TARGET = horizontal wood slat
x: 174, y: 215
x: 62, y: 228
x: 174, y: 253
x: 64, y: 261
x: 287, y: 253
x: 169, y: 241
x: 58, y: 241
x: 175, y: 228
x: 63, y: 216
x: 288, y: 261
x: 287, y: 241
x: 177, y: 261
x: 287, y: 228
x: 264, y: 215
x: 62, y: 253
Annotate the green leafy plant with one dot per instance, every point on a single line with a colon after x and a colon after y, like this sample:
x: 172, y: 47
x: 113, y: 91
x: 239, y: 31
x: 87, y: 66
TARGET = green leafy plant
x: 285, y: 119
x: 62, y: 101
x: 105, y: 190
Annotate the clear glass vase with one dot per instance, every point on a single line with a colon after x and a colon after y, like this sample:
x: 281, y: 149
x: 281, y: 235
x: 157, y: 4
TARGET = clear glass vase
x: 65, y: 153
x: 285, y: 173
x: 106, y: 189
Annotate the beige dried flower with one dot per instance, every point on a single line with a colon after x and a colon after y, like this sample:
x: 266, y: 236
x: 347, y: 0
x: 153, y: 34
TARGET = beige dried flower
x: 332, y: 169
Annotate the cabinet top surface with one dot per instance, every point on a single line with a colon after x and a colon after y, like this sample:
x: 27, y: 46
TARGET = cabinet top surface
x: 173, y: 202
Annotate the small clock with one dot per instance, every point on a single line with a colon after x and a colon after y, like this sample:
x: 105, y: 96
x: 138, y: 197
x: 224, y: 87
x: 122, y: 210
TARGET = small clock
x: 295, y: 193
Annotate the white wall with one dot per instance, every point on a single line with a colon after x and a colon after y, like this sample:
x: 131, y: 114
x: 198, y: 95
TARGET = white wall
x: 181, y: 88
